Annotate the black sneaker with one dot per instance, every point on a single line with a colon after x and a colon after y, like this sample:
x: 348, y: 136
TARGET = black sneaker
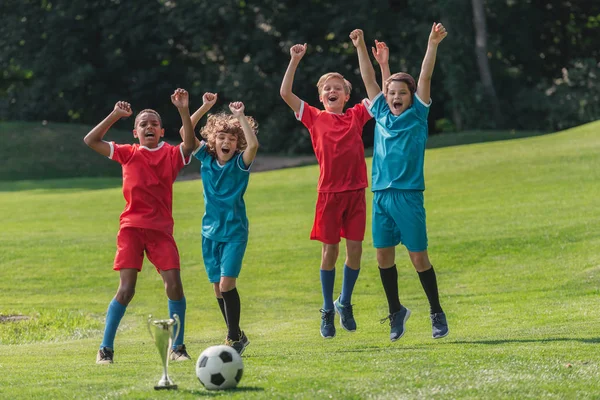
x: 327, y: 326
x: 237, y: 345
x: 439, y: 325
x: 346, y: 315
x: 244, y: 340
x: 105, y: 356
x: 179, y: 353
x: 397, y: 322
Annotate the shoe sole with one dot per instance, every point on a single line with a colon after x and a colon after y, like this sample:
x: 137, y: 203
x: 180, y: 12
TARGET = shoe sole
x: 440, y: 337
x: 403, y: 323
x: 244, y: 348
x: 327, y: 337
x: 335, y: 307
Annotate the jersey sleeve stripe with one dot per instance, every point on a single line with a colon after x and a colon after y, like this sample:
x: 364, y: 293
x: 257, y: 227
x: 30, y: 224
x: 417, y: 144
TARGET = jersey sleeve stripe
x: 299, y: 113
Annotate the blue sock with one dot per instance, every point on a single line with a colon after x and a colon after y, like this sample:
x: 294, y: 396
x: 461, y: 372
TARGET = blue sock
x: 350, y: 277
x: 114, y: 314
x: 178, y: 307
x: 327, y: 281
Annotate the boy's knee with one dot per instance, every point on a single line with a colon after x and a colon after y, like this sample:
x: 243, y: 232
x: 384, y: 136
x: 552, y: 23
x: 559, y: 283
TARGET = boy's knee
x: 125, y: 294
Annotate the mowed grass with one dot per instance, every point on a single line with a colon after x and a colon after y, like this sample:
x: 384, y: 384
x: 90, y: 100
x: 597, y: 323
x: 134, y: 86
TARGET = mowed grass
x: 514, y: 237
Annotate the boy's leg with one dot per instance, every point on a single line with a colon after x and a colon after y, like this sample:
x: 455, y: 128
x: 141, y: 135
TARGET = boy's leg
x: 329, y: 256
x: 128, y: 261
x: 162, y: 252
x: 233, y: 307
x: 220, y: 301
x: 177, y: 305
x: 439, y: 324
x: 114, y: 314
x: 231, y: 264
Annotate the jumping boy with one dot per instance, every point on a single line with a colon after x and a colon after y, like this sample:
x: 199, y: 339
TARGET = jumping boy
x: 401, y: 113
x: 341, y: 206
x: 226, y: 155
x: 146, y: 224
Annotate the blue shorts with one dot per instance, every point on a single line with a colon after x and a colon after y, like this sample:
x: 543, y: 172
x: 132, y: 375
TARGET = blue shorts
x: 222, y: 258
x: 399, y: 217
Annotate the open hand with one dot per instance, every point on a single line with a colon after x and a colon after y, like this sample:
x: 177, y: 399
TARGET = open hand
x: 438, y: 33
x: 122, y: 109
x: 381, y: 52
x: 297, y: 51
x: 237, y: 108
x: 209, y: 98
x: 180, y: 98
x: 357, y: 37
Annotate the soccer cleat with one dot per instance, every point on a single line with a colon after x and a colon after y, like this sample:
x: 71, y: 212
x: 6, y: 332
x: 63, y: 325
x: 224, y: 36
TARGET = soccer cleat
x: 244, y: 341
x: 179, y: 353
x: 236, y: 344
x: 439, y: 325
x: 397, y: 322
x: 327, y: 326
x: 346, y: 315
x: 105, y: 356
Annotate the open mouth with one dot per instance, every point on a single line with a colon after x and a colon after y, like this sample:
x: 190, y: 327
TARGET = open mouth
x: 332, y: 98
x: 397, y: 106
x: 149, y: 134
x: 225, y: 150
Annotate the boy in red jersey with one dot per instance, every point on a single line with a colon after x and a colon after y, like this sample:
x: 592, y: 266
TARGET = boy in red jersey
x: 146, y: 224
x: 341, y: 208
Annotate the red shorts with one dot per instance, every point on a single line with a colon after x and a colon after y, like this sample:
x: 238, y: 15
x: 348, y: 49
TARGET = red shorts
x: 160, y: 248
x: 342, y: 214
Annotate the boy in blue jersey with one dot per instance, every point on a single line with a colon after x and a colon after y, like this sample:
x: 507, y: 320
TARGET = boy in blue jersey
x: 400, y: 112
x: 226, y: 155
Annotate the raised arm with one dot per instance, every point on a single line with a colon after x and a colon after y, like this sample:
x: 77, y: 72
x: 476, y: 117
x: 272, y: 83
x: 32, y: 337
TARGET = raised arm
x: 382, y: 55
x: 237, y: 109
x: 208, y: 100
x: 296, y: 53
x: 180, y: 99
x: 438, y: 33
x: 366, y: 68
x: 94, y: 138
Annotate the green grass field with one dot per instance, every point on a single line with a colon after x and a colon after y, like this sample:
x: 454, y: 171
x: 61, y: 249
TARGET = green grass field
x: 513, y: 233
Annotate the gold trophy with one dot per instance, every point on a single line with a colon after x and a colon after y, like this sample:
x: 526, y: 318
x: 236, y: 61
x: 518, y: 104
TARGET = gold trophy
x: 161, y: 331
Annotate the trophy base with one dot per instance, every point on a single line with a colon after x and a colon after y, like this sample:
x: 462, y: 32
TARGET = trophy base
x: 170, y: 387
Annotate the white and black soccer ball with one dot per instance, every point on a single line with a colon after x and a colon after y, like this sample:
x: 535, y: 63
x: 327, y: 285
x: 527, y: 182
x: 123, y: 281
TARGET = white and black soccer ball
x: 219, y: 367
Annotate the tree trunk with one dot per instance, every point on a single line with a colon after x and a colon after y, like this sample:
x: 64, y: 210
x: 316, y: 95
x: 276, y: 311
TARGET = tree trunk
x: 482, y: 59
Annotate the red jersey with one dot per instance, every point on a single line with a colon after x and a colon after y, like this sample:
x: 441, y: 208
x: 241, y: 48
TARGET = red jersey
x: 148, y: 176
x: 337, y: 142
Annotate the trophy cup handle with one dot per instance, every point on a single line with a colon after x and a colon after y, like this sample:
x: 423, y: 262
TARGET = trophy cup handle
x: 148, y: 326
x: 178, y: 323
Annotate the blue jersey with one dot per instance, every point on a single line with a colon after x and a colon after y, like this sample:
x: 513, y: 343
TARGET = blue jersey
x: 224, y: 217
x: 399, y: 145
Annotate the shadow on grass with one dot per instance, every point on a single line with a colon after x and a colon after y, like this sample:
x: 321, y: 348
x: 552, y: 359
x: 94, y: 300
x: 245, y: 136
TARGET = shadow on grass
x: 541, y: 340
x: 61, y: 185
x: 220, y: 393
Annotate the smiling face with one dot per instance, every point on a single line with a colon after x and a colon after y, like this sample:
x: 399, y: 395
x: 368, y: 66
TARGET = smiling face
x: 334, y: 92
x: 398, y: 97
x: 148, y: 128
x: 225, y: 146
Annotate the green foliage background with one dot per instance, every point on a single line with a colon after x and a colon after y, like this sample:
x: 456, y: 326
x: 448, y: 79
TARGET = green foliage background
x: 70, y: 61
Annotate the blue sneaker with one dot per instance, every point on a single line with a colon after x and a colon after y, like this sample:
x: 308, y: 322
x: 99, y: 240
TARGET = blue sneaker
x: 327, y: 327
x: 397, y: 322
x: 439, y: 325
x: 346, y: 315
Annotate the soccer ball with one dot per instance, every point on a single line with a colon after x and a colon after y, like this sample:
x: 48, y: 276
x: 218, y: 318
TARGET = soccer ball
x: 219, y: 367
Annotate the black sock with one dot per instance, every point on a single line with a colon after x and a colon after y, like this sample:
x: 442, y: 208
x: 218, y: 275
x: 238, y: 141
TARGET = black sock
x: 429, y: 283
x: 232, y: 310
x: 222, y: 307
x: 389, y: 278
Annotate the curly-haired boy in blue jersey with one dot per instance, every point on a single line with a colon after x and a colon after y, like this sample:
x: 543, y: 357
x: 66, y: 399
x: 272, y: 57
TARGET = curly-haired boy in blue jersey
x: 226, y: 153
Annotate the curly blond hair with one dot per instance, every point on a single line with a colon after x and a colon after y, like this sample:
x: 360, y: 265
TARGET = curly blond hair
x: 225, y: 123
